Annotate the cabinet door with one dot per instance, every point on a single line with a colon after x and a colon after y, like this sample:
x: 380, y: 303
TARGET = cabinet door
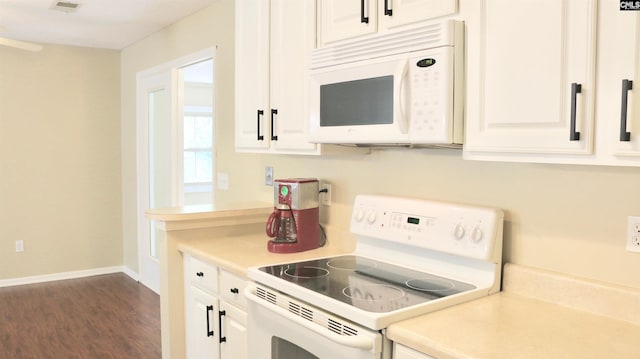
x: 234, y: 332
x: 292, y: 38
x: 252, y: 75
x: 533, y: 73
x: 402, y: 352
x: 201, y: 324
x: 344, y: 19
x: 619, y: 60
x: 393, y: 13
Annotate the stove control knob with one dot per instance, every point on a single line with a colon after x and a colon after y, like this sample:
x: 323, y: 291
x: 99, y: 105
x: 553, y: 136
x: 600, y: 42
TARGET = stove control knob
x: 476, y: 234
x: 458, y: 231
x: 359, y: 215
x: 371, y: 217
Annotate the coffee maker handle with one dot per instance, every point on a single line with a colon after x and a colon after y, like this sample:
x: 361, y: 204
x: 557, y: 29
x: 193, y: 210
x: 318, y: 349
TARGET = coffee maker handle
x: 273, y: 223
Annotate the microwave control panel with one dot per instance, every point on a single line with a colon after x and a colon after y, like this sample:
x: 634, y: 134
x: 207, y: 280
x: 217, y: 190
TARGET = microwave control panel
x: 431, y: 100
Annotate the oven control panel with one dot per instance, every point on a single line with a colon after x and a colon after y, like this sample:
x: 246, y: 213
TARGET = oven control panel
x: 464, y: 230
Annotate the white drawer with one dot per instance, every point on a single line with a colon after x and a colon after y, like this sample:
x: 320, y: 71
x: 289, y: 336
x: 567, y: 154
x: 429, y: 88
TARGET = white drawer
x: 202, y: 275
x: 231, y: 288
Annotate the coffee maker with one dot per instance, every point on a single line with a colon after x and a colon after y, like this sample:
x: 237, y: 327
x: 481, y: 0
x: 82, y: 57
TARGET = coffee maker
x: 294, y: 224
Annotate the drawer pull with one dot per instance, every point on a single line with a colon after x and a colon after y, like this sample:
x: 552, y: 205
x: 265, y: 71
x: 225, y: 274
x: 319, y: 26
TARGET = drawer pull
x: 234, y: 290
x: 200, y: 274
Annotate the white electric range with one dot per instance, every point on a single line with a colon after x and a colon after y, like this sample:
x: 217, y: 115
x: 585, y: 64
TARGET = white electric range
x: 412, y: 257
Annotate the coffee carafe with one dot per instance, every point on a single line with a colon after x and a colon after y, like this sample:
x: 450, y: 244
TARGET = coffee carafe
x: 294, y: 224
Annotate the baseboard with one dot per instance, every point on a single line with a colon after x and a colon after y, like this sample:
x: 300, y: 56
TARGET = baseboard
x: 67, y: 275
x: 131, y: 273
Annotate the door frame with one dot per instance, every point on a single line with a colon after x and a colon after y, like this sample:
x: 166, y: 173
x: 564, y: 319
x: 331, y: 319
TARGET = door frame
x: 142, y: 154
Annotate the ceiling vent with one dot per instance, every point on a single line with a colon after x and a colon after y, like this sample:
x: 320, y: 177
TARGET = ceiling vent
x: 65, y: 6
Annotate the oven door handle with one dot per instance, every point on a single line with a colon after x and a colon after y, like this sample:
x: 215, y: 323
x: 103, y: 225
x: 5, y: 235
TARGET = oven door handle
x: 350, y: 341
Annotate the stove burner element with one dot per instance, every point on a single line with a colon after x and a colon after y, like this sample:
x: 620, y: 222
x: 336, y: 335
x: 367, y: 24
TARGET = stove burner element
x: 430, y: 285
x: 350, y: 263
x: 306, y: 272
x: 382, y: 293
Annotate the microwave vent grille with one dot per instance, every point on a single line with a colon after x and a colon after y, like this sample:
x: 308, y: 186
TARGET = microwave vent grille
x: 379, y: 45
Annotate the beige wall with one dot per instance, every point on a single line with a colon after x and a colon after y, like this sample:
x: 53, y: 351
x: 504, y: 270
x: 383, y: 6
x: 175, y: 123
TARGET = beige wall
x: 59, y: 160
x: 566, y: 218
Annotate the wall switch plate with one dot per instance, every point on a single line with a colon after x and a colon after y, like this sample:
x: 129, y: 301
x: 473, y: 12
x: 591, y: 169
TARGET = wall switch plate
x: 222, y: 181
x: 268, y: 176
x: 19, y: 246
x: 633, y: 234
x: 325, y: 197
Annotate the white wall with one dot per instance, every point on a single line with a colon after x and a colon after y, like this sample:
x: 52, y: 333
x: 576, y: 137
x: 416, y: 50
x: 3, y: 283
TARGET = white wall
x: 59, y: 160
x: 565, y: 218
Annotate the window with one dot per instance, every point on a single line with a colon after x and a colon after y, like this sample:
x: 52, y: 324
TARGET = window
x: 198, y: 149
x: 198, y: 138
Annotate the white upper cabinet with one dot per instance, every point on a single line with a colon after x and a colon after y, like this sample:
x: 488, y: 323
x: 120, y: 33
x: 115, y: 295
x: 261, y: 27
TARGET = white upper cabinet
x: 526, y: 62
x: 345, y: 19
x: 534, y: 89
x: 618, y: 95
x: 273, y: 42
x: 252, y: 74
x: 340, y: 19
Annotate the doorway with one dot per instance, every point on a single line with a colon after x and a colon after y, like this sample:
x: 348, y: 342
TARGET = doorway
x: 176, y: 149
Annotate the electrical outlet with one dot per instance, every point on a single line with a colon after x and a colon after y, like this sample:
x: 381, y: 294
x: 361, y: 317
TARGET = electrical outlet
x: 268, y: 176
x: 633, y: 234
x: 325, y: 197
x: 19, y: 246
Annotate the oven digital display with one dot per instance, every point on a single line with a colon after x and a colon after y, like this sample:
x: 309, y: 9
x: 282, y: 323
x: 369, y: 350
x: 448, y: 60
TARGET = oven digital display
x: 413, y: 220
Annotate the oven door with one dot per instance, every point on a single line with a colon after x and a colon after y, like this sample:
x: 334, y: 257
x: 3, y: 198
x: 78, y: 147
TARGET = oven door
x: 304, y: 332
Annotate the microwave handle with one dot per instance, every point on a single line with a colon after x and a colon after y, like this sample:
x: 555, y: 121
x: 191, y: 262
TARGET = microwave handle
x: 402, y: 100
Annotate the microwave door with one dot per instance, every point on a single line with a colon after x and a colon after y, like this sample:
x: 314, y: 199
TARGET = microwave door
x: 361, y: 103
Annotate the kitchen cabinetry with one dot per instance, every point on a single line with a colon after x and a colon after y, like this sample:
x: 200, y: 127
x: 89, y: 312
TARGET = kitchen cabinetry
x: 215, y: 319
x: 340, y: 19
x: 618, y: 131
x: 273, y: 42
x: 402, y: 352
x: 537, y: 94
x: 535, y: 91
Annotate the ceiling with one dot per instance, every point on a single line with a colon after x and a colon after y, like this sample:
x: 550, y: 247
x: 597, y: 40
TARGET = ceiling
x: 109, y: 24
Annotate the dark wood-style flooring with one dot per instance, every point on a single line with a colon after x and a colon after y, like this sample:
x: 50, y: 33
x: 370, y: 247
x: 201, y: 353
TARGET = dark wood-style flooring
x: 106, y: 316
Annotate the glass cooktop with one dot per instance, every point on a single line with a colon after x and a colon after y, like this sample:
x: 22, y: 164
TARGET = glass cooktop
x: 367, y: 284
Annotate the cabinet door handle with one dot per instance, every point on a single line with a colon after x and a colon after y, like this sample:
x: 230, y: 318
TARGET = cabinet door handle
x: 363, y: 19
x: 627, y: 85
x: 273, y: 112
x: 234, y: 290
x: 209, y: 332
x: 387, y: 11
x: 200, y: 274
x: 220, y: 315
x: 260, y: 137
x: 575, y: 90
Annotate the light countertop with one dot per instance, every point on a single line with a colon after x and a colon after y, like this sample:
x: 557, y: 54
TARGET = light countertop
x: 537, y: 315
x: 512, y: 324
x: 236, y: 254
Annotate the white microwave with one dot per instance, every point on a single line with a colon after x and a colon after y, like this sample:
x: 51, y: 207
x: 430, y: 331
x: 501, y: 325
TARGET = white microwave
x: 400, y: 88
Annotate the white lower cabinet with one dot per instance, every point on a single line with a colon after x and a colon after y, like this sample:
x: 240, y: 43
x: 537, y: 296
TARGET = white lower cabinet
x: 234, y: 332
x: 202, y: 324
x: 215, y: 312
x: 402, y: 352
